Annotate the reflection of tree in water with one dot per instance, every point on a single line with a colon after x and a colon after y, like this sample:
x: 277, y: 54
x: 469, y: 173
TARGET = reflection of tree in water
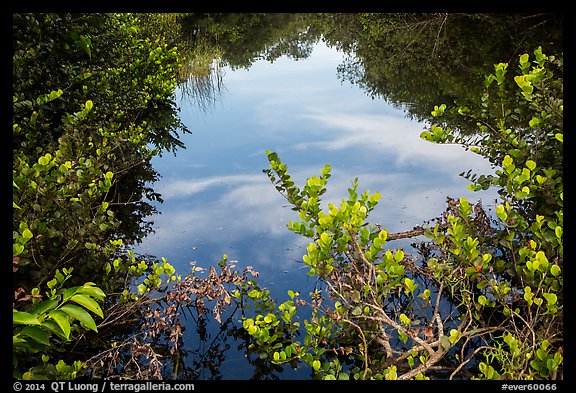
x: 216, y: 41
x: 416, y: 61
x: 152, y: 342
x: 212, y: 346
x: 204, y: 86
x: 413, y: 61
x: 135, y: 355
x: 409, y: 62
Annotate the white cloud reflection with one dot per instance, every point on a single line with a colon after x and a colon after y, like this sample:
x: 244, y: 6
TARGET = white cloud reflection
x: 300, y: 109
x: 183, y: 188
x: 395, y: 136
x: 247, y: 209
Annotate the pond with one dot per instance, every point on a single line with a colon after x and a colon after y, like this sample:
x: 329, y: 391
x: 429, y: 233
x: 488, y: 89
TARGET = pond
x: 141, y: 138
x: 217, y: 200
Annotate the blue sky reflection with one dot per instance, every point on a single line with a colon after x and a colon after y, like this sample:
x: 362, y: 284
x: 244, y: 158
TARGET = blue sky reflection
x: 217, y: 199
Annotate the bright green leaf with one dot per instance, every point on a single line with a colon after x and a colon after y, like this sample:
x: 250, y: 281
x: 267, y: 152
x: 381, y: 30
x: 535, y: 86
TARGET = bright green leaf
x: 555, y: 270
x: 37, y: 334
x: 92, y: 291
x: 81, y: 315
x: 530, y: 165
x: 45, y: 306
x: 551, y: 298
x: 24, y: 318
x: 61, y: 318
x: 27, y: 234
x: 17, y: 249
x: 88, y: 303
x: 316, y: 365
x: 404, y: 319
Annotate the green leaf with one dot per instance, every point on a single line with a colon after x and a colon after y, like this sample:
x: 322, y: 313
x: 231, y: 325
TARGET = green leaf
x: 27, y: 234
x: 551, y: 298
x: 454, y: 336
x: 426, y: 135
x: 24, y: 318
x: 558, y: 231
x: 88, y: 303
x: 426, y: 294
x: 316, y: 365
x: 37, y: 334
x: 404, y: 319
x: 501, y: 212
x: 326, y: 170
x: 43, y: 160
x: 17, y: 340
x: 81, y: 315
x: 61, y: 318
x: 17, y: 249
x: 50, y: 326
x: 555, y: 270
x: 45, y: 306
x: 482, y: 300
x: 445, y: 341
x: 325, y: 238
x: 68, y: 293
x: 507, y: 161
x: 92, y: 291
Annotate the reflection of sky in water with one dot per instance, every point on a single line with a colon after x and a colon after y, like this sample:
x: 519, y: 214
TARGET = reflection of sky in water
x: 217, y: 200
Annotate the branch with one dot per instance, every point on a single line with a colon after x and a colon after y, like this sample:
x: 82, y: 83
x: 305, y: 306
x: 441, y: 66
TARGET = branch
x: 467, y: 360
x: 365, y: 345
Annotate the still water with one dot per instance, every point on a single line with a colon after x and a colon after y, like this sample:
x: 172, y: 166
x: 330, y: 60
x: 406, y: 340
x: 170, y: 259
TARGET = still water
x: 218, y: 201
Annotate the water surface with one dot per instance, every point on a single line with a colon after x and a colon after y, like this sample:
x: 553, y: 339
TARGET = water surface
x: 218, y: 201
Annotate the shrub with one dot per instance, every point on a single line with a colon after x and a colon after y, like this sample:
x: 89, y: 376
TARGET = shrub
x: 486, y: 299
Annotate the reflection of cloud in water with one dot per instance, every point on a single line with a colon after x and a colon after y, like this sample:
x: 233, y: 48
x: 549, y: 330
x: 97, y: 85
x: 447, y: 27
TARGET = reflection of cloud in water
x: 394, y: 135
x: 183, y: 188
x: 308, y: 123
x: 246, y: 210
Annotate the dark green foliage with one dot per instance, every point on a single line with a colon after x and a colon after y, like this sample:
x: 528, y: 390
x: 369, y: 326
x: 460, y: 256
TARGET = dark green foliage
x: 93, y: 102
x: 418, y: 60
x: 91, y: 107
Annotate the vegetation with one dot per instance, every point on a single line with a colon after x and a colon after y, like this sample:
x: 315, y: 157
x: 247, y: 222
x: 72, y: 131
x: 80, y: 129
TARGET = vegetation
x: 93, y: 103
x: 414, y: 61
x: 486, y: 301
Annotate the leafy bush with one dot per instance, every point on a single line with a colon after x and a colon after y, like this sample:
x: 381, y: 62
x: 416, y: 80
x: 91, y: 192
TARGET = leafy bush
x: 63, y: 314
x: 93, y: 102
x: 485, y: 301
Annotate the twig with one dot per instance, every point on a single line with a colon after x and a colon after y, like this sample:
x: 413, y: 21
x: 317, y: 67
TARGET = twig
x: 469, y: 358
